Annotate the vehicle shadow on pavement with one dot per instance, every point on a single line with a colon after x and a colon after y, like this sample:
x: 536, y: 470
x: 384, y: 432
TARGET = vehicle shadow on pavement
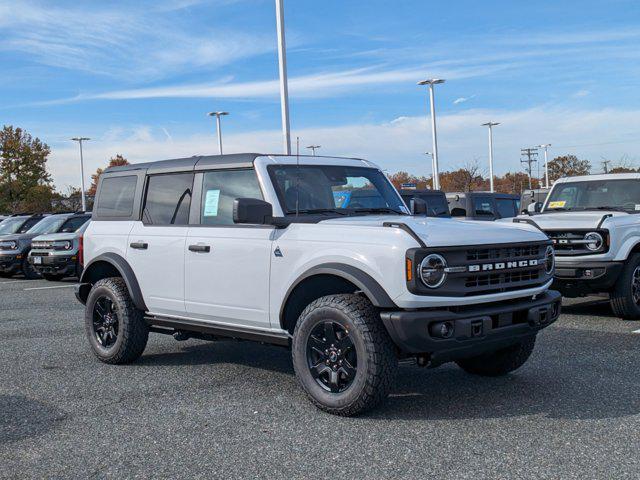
x: 598, y: 308
x: 23, y: 417
x: 548, y: 385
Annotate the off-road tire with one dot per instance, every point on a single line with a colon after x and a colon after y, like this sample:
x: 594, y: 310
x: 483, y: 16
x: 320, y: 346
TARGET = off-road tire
x: 52, y: 277
x: 500, y: 362
x: 29, y: 272
x: 376, y: 359
x: 621, y: 297
x: 133, y: 332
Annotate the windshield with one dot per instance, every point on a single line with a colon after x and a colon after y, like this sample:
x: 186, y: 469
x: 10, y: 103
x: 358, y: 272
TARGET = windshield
x: 48, y: 225
x: 621, y: 194
x: 11, y: 225
x: 316, y: 189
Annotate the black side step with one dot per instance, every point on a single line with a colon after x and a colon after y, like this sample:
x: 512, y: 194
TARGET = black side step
x: 238, y: 333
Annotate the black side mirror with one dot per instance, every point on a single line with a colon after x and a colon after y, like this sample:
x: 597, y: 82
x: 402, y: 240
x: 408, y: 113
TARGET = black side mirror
x: 418, y: 206
x: 538, y: 207
x: 252, y: 211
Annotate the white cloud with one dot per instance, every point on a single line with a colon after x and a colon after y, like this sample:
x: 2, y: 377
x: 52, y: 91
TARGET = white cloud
x: 143, y: 42
x: 581, y: 93
x: 396, y: 145
x: 460, y: 100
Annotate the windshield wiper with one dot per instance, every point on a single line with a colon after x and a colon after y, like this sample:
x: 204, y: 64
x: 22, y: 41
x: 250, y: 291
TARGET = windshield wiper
x: 311, y: 211
x: 607, y: 207
x: 378, y: 210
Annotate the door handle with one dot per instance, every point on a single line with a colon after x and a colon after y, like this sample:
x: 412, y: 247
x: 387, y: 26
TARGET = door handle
x: 139, y: 245
x: 200, y: 248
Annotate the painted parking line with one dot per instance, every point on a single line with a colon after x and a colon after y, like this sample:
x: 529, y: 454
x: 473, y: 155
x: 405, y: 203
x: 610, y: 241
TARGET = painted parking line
x: 48, y: 288
x: 11, y: 281
x: 636, y: 331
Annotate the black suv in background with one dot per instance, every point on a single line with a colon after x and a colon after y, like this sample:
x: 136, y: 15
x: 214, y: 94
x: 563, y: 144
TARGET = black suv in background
x: 435, y: 200
x: 483, y: 205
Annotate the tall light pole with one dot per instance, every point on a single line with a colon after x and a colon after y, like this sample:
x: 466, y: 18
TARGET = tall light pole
x: 491, y: 125
x: 218, y: 128
x: 546, y: 164
x: 80, y: 140
x: 313, y: 148
x: 284, y: 87
x: 436, y: 176
x: 429, y: 154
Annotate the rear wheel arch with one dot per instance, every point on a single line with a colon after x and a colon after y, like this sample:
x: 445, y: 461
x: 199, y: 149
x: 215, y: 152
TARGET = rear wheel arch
x: 110, y: 265
x: 329, y: 279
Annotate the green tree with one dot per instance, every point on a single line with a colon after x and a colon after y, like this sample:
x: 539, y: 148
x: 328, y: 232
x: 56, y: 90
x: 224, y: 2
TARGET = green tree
x: 25, y: 183
x: 568, y: 166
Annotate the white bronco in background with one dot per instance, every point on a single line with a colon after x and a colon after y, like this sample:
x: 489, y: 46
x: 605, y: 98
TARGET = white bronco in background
x: 313, y: 253
x: 594, y: 224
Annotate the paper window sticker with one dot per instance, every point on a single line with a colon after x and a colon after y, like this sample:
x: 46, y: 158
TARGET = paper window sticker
x: 558, y: 204
x: 211, y: 201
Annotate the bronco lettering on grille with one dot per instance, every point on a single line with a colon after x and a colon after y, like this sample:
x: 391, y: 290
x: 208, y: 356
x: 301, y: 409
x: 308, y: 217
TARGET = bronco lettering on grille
x: 503, y: 265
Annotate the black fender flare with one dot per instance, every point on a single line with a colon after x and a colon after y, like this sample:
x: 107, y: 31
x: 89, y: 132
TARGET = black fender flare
x: 126, y: 272
x: 365, y: 282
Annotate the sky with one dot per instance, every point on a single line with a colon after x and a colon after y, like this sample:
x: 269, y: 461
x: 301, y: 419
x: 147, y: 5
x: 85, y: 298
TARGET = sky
x: 139, y: 77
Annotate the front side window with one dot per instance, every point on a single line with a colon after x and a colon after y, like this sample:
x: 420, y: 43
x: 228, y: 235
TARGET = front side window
x: 309, y: 189
x: 116, y: 196
x: 168, y: 199
x: 623, y: 194
x: 219, y: 190
x: 73, y: 224
x: 483, y: 205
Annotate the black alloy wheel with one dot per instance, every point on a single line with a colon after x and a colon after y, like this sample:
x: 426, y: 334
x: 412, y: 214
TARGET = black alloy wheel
x: 105, y: 322
x: 331, y: 356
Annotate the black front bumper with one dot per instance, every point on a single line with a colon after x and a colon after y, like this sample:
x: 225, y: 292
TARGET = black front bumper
x: 477, y: 329
x: 55, y: 264
x: 577, y: 279
x: 11, y: 263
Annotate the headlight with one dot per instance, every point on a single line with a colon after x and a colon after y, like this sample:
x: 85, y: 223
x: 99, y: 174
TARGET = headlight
x: 10, y: 245
x: 66, y: 245
x: 594, y: 241
x: 432, y: 271
x: 549, y: 260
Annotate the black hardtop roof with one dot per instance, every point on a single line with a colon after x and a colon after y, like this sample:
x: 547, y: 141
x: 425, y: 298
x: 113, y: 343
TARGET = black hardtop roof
x: 189, y: 163
x: 494, y: 194
x: 203, y: 162
x: 411, y: 191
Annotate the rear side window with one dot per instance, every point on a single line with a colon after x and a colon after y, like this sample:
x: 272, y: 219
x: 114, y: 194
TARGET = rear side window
x: 220, y: 189
x: 483, y: 206
x: 506, y: 207
x: 73, y: 224
x: 116, y: 196
x: 168, y: 199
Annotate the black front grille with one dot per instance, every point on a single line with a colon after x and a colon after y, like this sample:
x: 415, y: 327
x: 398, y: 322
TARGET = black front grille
x: 510, y: 253
x: 562, y: 242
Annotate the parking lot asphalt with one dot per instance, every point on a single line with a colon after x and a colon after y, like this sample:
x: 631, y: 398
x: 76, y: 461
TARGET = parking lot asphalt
x: 226, y: 409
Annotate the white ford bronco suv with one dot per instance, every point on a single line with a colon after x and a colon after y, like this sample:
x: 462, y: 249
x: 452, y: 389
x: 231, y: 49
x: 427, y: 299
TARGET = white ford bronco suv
x: 594, y: 224
x: 257, y: 247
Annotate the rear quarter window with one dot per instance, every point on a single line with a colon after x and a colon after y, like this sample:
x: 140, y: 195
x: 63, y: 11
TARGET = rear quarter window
x: 117, y: 196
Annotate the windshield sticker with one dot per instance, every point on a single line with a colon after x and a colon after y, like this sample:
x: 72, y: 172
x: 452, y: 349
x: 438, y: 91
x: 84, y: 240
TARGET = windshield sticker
x: 211, y: 203
x: 557, y: 204
x: 342, y: 198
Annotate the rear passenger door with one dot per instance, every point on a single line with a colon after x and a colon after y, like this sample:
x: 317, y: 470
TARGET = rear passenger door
x: 227, y: 265
x: 156, y: 245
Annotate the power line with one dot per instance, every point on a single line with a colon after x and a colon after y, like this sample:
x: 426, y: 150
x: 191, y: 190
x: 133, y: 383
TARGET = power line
x: 531, y: 154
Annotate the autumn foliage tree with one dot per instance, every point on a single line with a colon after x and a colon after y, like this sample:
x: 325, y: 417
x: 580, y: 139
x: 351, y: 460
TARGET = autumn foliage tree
x: 466, y: 179
x: 25, y: 183
x: 117, y: 161
x: 401, y: 177
x: 568, y: 166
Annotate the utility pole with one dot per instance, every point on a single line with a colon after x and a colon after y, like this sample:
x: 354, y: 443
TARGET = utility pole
x: 605, y: 165
x: 313, y: 148
x: 429, y: 154
x: 531, y: 153
x: 284, y: 86
x: 436, y: 175
x: 490, y: 125
x: 218, y: 128
x: 546, y: 164
x: 80, y: 140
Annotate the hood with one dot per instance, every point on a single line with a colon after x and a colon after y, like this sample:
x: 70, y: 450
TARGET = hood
x: 442, y: 232
x: 54, y: 237
x: 571, y: 220
x: 18, y: 236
